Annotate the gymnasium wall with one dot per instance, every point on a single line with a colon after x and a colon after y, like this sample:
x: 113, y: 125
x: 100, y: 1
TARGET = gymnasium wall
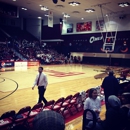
x: 14, y: 22
x: 31, y: 25
x: 112, y: 59
x: 34, y: 27
x: 93, y: 42
x: 51, y: 33
x: 123, y: 25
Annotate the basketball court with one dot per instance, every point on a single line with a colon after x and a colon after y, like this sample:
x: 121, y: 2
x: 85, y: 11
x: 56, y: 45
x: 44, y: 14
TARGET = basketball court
x: 16, y: 85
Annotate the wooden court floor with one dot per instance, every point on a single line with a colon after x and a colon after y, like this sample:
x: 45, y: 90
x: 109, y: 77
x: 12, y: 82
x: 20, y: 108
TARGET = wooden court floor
x: 16, y: 92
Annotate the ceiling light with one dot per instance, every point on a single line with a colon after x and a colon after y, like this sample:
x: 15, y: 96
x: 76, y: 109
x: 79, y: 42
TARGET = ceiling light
x: 66, y: 15
x: 82, y: 18
x: 89, y: 10
x: 74, y: 3
x: 124, y: 4
x: 46, y: 15
x: 24, y: 8
x: 14, y: 0
x: 44, y: 8
x: 39, y: 17
x: 121, y: 5
x: 40, y: 5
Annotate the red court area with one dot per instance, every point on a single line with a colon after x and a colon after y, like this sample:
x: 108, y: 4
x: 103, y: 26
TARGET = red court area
x: 62, y: 74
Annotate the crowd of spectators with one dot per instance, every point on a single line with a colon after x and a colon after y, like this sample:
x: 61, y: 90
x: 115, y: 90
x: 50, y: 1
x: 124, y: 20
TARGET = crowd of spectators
x: 50, y: 56
x: 7, y: 54
x: 32, y: 52
x: 31, y: 49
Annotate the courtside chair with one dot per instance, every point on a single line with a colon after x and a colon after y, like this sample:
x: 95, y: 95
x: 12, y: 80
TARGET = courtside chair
x: 73, y: 110
x: 65, y: 112
x: 33, y: 112
x: 49, y: 105
x: 67, y: 101
x: 6, y: 120
x: 58, y: 104
x: 56, y: 108
x: 22, y: 115
x: 76, y: 101
x: 75, y: 98
x: 79, y: 107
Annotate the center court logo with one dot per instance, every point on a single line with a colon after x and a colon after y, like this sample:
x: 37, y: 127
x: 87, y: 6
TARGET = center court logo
x: 62, y: 74
x: 93, y: 39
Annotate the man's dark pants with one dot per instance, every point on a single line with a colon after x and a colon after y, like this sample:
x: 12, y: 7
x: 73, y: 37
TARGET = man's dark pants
x: 41, y: 91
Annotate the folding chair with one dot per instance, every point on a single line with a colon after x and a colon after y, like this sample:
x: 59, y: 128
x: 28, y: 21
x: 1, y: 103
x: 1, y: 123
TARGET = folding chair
x: 6, y: 120
x: 49, y: 105
x: 57, y: 105
x: 67, y: 101
x: 33, y: 112
x: 22, y: 115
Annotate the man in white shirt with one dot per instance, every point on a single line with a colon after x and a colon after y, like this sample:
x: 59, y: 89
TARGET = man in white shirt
x: 42, y: 82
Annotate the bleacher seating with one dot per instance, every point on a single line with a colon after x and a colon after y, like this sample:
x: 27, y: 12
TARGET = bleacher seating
x: 6, y: 53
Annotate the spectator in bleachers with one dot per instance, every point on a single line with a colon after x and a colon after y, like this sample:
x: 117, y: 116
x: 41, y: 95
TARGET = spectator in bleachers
x: 6, y: 53
x: 49, y: 120
x: 93, y: 102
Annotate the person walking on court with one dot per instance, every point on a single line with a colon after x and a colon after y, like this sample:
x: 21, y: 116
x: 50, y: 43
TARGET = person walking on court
x: 111, y: 87
x: 42, y: 82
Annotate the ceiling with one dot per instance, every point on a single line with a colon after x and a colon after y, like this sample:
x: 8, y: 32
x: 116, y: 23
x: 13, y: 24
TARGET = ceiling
x: 107, y: 7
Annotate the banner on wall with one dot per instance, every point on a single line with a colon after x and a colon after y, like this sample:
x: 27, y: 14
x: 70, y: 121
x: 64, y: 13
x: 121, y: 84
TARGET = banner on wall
x: 69, y: 28
x: 33, y: 63
x: 99, y: 25
x: 86, y: 26
x: 50, y: 19
x: 7, y: 69
x: 20, y: 64
x: 64, y: 22
x: 6, y: 64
